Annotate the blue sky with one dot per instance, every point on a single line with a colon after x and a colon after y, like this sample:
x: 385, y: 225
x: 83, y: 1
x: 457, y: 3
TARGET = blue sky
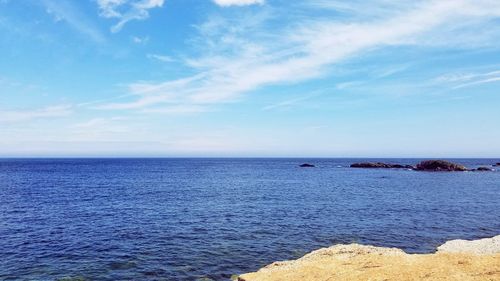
x: 250, y: 78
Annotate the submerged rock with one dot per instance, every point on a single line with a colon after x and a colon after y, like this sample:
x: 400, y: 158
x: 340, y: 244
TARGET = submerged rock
x: 379, y: 165
x: 122, y: 265
x: 307, y: 165
x: 439, y: 165
x: 483, y: 169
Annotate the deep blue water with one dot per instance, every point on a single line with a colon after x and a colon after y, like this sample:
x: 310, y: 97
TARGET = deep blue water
x: 184, y: 219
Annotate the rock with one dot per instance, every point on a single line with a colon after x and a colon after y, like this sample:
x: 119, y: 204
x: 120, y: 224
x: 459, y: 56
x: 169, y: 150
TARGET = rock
x: 307, y: 165
x: 497, y: 164
x: 378, y: 165
x: 398, y: 166
x: 486, y: 246
x: 439, y: 165
x: 483, y: 169
x: 455, y: 260
x: 370, y: 165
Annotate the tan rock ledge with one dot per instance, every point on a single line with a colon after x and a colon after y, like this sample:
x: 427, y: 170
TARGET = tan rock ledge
x: 454, y: 260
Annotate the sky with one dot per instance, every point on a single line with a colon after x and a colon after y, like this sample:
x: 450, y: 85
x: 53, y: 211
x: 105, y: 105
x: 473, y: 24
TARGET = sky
x: 249, y: 78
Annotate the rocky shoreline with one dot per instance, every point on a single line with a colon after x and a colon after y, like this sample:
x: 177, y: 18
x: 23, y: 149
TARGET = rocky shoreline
x: 454, y: 260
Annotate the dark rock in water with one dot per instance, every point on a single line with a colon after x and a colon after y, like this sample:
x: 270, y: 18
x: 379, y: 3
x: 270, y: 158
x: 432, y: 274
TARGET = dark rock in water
x: 439, y: 165
x: 307, y: 165
x: 378, y: 165
x: 370, y: 165
x: 483, y: 169
x: 497, y: 164
x: 119, y: 265
x: 398, y: 166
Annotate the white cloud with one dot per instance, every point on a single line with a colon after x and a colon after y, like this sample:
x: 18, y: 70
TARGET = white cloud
x: 478, y: 82
x: 112, y: 128
x: 462, y: 80
x: 67, y: 12
x: 126, y: 10
x: 161, y: 58
x: 27, y: 115
x: 140, y: 40
x: 177, y: 110
x: 245, y: 54
x: 107, y: 8
x: 226, y: 3
x: 294, y: 101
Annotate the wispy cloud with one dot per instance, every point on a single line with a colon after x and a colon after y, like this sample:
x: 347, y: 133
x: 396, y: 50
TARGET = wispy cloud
x: 478, y: 82
x: 161, y: 58
x: 177, y: 110
x: 462, y: 80
x: 127, y: 10
x: 243, y: 55
x: 100, y: 129
x: 290, y: 102
x: 140, y: 40
x: 226, y: 3
x: 63, y: 10
x: 27, y: 115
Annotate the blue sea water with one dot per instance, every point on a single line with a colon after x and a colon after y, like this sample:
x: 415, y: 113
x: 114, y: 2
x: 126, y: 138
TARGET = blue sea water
x: 194, y: 219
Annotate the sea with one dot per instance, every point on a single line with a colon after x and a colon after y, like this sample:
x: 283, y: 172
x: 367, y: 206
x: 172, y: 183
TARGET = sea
x: 205, y: 219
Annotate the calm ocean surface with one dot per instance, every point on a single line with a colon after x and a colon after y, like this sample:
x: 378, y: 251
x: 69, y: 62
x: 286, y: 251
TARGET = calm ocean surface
x: 194, y: 219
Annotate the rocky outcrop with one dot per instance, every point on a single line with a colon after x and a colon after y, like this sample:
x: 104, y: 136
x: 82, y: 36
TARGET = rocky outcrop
x: 428, y: 165
x: 455, y: 260
x: 439, y: 165
x: 378, y: 165
x: 307, y: 165
x: 497, y: 164
x: 482, y: 169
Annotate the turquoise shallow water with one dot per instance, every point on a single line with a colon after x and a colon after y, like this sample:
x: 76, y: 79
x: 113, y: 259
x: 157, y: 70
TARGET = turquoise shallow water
x: 188, y: 219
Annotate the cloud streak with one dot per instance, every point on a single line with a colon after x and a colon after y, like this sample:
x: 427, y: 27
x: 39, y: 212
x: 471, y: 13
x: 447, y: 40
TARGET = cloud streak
x: 63, y: 10
x: 126, y: 10
x: 238, y: 62
x: 161, y: 58
x: 478, y: 82
x: 28, y: 115
x: 227, y: 3
x: 463, y: 80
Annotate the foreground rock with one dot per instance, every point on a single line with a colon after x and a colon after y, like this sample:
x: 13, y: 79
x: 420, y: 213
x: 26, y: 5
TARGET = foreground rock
x: 487, y: 246
x: 439, y: 165
x: 378, y: 165
x: 455, y: 260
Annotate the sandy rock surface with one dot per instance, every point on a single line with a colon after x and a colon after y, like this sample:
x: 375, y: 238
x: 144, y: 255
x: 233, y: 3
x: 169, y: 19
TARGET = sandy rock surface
x: 455, y: 260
